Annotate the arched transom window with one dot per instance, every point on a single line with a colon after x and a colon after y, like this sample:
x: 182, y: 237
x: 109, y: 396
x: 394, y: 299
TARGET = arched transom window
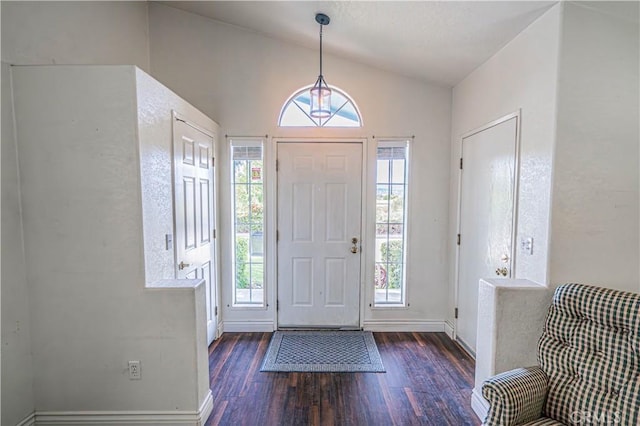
x: 344, y: 113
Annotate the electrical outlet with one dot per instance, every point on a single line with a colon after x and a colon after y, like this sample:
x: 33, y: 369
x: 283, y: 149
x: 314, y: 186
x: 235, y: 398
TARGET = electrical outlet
x: 134, y: 370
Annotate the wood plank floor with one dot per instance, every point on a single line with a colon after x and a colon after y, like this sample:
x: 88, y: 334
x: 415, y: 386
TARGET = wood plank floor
x: 428, y: 382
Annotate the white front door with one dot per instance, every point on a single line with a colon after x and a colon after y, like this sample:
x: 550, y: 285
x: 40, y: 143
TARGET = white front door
x: 486, y: 217
x: 194, y: 212
x: 319, y: 228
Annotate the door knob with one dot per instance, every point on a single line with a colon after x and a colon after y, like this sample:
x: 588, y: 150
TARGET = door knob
x: 183, y: 265
x: 504, y: 258
x: 354, y: 247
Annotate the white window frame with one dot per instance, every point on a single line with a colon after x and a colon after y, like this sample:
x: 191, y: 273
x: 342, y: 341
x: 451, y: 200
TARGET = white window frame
x: 248, y: 142
x: 394, y: 143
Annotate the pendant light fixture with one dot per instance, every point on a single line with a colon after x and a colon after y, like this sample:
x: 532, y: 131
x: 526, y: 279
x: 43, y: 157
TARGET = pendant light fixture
x: 320, y: 93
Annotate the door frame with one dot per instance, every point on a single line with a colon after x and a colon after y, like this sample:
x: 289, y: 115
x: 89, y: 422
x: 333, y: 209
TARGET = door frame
x: 514, y: 221
x: 215, y: 243
x: 364, y: 225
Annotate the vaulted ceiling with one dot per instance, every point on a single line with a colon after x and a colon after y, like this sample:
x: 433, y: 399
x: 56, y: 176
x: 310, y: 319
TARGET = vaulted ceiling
x: 437, y: 41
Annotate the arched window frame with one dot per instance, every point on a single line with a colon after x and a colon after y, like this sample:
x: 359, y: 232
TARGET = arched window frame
x: 318, y: 122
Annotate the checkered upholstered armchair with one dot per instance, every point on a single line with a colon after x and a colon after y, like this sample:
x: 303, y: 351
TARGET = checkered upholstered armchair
x: 589, y: 372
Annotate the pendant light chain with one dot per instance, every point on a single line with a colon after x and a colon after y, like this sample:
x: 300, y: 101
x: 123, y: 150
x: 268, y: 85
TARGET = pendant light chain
x: 320, y: 93
x: 321, y: 52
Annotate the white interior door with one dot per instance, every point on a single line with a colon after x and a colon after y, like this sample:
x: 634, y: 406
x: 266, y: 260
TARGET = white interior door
x: 319, y: 225
x: 194, y: 212
x: 486, y: 217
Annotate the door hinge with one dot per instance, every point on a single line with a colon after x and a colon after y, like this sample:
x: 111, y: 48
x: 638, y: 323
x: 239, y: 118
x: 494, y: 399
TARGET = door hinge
x: 213, y: 161
x: 458, y: 239
x: 455, y: 313
x: 277, y: 165
x: 277, y: 305
x: 277, y: 236
x: 460, y: 163
x: 214, y: 234
x: 215, y: 311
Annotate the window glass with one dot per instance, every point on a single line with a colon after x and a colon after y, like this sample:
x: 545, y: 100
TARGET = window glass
x: 390, y: 244
x: 295, y: 112
x: 248, y: 223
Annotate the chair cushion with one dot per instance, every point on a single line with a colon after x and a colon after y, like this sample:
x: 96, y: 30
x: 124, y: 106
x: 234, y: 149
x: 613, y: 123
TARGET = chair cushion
x: 590, y: 350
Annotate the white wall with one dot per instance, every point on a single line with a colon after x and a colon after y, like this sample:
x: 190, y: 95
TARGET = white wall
x: 595, y: 233
x: 52, y: 32
x: 155, y: 130
x: 17, y: 362
x: 156, y: 104
x: 241, y: 79
x: 523, y: 75
x: 47, y: 33
x: 83, y: 230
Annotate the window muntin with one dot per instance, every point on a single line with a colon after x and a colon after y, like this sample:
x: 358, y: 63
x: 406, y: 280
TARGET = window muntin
x: 247, y: 182
x: 391, y: 213
x: 295, y: 112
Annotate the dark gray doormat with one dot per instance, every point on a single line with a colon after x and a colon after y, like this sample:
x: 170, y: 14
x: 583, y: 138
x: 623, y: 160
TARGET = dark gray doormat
x: 323, y: 351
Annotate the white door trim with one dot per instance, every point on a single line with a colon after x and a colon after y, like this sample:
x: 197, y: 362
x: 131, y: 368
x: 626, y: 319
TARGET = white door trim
x: 364, y: 225
x: 516, y: 190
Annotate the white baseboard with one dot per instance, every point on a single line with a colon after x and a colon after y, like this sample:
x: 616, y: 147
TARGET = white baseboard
x: 206, y: 408
x: 466, y: 347
x: 247, y: 326
x: 449, y: 329
x: 30, y: 420
x: 404, y: 326
x: 479, y: 404
x: 126, y: 418
x: 377, y: 325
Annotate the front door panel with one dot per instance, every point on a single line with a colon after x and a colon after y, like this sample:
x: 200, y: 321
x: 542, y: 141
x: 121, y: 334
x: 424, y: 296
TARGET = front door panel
x: 319, y: 216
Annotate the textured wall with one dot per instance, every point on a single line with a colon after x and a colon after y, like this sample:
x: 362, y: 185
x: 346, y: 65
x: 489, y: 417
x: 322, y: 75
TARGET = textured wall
x: 155, y: 131
x: 595, y: 232
x: 54, y: 32
x: 17, y: 362
x: 90, y: 310
x: 242, y: 79
x: 47, y: 33
x: 523, y: 75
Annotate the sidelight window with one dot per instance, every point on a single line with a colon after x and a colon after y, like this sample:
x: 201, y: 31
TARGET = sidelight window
x: 391, y: 217
x: 247, y: 192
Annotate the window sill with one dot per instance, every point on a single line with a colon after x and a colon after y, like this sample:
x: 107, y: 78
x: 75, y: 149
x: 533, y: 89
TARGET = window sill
x: 387, y: 307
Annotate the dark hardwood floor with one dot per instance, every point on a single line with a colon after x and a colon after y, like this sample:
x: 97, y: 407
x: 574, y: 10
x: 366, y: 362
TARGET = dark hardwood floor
x: 428, y: 381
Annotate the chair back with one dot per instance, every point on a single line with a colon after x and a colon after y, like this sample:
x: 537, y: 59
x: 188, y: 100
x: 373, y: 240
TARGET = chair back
x: 590, y: 350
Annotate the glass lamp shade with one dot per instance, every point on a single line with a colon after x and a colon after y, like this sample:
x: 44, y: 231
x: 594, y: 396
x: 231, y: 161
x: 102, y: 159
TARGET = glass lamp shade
x: 320, y: 100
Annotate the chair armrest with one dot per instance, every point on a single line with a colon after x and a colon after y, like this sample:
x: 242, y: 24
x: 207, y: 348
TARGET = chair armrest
x: 515, y: 396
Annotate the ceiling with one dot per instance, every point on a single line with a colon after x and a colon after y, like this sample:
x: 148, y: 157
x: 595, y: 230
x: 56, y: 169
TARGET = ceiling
x: 437, y: 41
